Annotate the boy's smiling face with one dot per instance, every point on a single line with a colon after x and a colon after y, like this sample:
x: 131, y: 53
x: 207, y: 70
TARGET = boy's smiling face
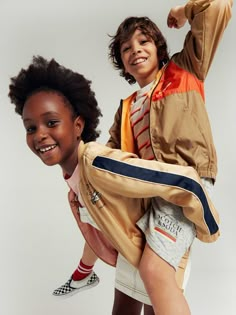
x: 139, y: 57
x: 52, y: 132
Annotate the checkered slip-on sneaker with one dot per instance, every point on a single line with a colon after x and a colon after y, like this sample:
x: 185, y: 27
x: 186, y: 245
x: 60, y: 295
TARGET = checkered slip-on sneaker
x: 72, y: 287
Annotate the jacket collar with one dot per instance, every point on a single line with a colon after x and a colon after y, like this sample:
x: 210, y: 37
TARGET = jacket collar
x: 81, y: 149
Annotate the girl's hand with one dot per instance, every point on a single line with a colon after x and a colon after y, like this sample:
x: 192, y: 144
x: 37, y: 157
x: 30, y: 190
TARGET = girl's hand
x: 74, y: 203
x: 176, y: 17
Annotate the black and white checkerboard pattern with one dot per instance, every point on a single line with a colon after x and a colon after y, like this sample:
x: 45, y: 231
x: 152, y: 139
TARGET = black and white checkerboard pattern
x: 66, y: 289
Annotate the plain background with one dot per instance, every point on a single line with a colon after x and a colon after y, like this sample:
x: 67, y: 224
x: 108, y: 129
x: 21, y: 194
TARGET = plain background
x: 40, y: 244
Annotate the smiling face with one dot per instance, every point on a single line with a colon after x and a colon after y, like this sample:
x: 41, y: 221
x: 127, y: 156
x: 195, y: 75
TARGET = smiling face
x: 52, y: 132
x: 139, y: 57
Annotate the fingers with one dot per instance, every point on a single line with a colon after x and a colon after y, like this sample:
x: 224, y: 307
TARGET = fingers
x: 71, y: 195
x: 176, y: 17
x: 73, y: 200
x: 172, y: 22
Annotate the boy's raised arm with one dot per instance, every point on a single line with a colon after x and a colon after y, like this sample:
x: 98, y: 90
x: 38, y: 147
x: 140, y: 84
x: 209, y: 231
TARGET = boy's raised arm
x: 208, y: 20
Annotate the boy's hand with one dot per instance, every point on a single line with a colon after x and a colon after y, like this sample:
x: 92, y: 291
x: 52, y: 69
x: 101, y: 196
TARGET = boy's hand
x: 176, y: 17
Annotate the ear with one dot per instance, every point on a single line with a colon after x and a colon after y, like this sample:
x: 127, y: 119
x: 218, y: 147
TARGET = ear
x: 79, y: 126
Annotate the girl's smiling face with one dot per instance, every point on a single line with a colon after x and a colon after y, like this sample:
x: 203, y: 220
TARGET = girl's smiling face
x: 52, y: 130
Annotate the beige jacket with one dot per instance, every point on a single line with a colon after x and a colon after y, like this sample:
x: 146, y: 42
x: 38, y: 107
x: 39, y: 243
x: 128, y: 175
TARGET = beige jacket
x: 116, y: 188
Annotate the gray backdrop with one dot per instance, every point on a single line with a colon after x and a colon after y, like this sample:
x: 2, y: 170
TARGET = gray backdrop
x: 39, y: 241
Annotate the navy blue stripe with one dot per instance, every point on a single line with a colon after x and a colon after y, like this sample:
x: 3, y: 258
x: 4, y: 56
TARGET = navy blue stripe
x: 158, y: 177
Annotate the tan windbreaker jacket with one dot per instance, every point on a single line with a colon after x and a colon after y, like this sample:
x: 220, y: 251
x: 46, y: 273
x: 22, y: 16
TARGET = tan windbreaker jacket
x: 180, y: 131
x: 116, y: 188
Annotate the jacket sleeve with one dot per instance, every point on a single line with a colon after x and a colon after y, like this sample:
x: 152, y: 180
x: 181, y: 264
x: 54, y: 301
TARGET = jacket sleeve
x: 123, y: 174
x: 208, y: 20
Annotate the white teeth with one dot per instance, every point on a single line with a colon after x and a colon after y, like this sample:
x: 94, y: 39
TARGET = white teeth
x: 139, y: 60
x: 43, y: 150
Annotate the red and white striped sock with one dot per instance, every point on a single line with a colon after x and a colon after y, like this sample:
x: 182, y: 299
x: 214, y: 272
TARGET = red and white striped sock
x: 82, y: 271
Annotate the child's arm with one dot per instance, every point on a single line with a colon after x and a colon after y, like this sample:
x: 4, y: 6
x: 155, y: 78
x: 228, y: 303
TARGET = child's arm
x: 117, y: 174
x: 208, y: 20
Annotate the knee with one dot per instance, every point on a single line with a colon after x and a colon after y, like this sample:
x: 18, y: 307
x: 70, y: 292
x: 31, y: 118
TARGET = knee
x: 156, y: 269
x: 147, y: 269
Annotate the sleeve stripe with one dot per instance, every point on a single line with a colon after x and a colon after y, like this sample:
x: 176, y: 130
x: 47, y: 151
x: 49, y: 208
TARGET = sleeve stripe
x: 159, y: 177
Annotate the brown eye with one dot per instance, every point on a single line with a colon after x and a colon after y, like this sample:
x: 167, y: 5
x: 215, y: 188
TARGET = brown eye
x: 52, y: 123
x: 30, y: 129
x: 125, y: 49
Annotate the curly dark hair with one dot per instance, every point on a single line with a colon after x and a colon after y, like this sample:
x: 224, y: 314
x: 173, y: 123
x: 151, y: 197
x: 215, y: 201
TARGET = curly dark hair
x: 124, y: 33
x: 43, y: 75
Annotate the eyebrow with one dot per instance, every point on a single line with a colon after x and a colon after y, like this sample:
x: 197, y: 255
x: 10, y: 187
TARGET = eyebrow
x: 139, y: 34
x: 44, y: 114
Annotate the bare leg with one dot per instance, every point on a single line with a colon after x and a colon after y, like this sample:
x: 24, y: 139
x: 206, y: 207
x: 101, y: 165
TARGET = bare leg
x: 125, y: 305
x: 88, y: 257
x: 159, y: 280
x: 148, y: 310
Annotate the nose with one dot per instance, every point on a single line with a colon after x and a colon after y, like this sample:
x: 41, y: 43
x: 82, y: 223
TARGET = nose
x: 136, y: 49
x: 40, y: 135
